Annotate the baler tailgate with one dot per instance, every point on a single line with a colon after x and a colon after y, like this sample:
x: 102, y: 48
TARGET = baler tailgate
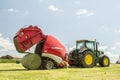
x: 27, y: 37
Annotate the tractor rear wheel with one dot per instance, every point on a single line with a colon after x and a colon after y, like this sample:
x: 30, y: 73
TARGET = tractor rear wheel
x: 87, y: 60
x: 104, y: 61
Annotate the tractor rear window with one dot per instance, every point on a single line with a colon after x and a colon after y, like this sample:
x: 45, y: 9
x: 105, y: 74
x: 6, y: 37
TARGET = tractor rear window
x: 90, y: 45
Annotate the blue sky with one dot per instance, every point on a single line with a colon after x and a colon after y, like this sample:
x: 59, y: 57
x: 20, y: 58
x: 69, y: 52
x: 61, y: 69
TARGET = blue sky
x: 68, y: 20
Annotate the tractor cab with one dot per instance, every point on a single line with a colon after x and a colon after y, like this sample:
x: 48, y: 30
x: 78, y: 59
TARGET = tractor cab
x: 86, y: 54
x: 88, y: 44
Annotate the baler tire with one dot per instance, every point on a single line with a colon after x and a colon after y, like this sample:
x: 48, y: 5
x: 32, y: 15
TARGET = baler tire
x: 47, y: 64
x: 87, y: 60
x: 104, y: 61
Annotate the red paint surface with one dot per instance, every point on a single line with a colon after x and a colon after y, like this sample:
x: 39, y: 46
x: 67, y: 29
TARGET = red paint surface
x: 27, y: 37
x: 53, y: 46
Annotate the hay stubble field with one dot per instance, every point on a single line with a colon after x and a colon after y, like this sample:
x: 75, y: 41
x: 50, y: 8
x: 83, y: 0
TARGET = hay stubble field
x: 12, y: 71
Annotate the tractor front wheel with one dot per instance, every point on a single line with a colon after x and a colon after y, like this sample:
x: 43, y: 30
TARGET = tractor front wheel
x: 104, y: 61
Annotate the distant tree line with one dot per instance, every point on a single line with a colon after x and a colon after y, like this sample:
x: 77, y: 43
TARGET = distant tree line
x: 10, y: 59
x: 6, y: 57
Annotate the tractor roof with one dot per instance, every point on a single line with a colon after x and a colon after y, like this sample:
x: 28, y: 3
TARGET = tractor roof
x: 78, y: 41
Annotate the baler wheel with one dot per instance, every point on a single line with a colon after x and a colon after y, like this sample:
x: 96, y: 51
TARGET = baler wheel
x: 47, y: 64
x: 104, y: 61
x: 87, y: 59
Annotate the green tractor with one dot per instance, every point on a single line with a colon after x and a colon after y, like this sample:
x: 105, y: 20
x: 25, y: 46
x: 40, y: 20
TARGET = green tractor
x: 87, y: 55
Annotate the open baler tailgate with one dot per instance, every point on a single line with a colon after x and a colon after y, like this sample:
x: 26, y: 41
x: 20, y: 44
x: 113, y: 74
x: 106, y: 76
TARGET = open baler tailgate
x: 27, y: 37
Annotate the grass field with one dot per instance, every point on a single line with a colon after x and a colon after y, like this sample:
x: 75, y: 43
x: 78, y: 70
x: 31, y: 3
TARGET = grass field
x: 12, y: 71
x: 9, y: 60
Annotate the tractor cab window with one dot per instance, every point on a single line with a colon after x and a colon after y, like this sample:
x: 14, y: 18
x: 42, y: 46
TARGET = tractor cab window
x: 90, y: 45
x: 80, y: 45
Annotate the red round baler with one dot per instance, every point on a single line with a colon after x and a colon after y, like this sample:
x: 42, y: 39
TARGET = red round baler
x: 49, y: 52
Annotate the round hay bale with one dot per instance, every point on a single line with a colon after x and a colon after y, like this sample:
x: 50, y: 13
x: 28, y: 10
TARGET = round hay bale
x: 24, y: 63
x: 31, y: 61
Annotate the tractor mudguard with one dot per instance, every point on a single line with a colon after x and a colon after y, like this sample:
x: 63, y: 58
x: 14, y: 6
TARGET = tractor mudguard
x: 83, y: 50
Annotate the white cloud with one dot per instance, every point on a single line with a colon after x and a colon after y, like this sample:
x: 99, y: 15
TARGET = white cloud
x: 13, y: 10
x: 117, y: 30
x: 7, y: 47
x: 0, y: 34
x: 103, y: 48
x: 54, y: 8
x: 117, y: 43
x: 90, y: 14
x: 84, y: 12
x: 113, y: 57
x: 2, y: 50
x: 113, y: 48
x: 18, y: 12
x: 6, y: 44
